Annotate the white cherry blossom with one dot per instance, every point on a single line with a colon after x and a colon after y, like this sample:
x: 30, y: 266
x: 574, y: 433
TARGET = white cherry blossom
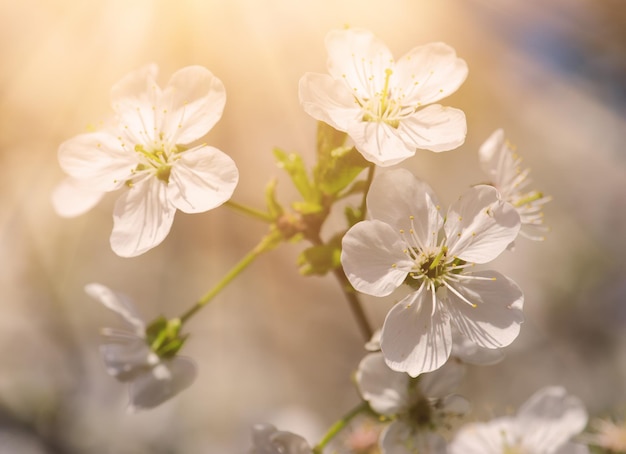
x: 408, y: 241
x: 266, y: 439
x: 128, y: 357
x: 545, y: 424
x: 502, y: 164
x: 387, y: 106
x: 147, y: 151
x: 418, y: 407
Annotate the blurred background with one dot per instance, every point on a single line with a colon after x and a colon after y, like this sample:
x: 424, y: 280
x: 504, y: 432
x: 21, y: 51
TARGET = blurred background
x: 275, y: 346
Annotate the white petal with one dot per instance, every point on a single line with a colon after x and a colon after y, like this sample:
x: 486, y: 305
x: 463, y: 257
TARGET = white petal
x: 135, y: 100
x: 71, y: 198
x: 99, y: 159
x: 400, y: 438
x: 454, y: 405
x: 373, y: 259
x: 373, y: 345
x: 379, y: 143
x: 442, y: 381
x: 435, y: 128
x: 413, y: 339
x: 495, y: 320
x: 203, y: 178
x: 194, y: 100
x: 490, y: 154
x: 126, y: 357
x: 429, y: 73
x: 117, y: 302
x: 328, y: 100
x: 396, y: 194
x: 550, y: 418
x: 483, y: 438
x: 479, y: 226
x: 154, y: 387
x: 359, y: 58
x: 142, y: 218
x: 384, y: 389
x: 266, y: 439
x: 470, y: 353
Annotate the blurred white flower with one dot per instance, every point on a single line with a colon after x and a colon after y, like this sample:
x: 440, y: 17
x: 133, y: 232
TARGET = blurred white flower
x: 407, y: 241
x: 418, y: 406
x: 380, y: 102
x: 543, y: 425
x: 147, y: 152
x: 503, y: 165
x: 266, y: 439
x: 129, y: 358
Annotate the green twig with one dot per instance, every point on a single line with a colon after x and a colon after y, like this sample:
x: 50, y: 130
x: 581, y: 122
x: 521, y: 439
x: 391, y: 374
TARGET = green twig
x: 339, y: 426
x: 249, y: 211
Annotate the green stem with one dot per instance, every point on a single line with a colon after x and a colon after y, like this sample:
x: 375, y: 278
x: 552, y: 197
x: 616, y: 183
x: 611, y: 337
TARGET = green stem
x: 355, y: 304
x: 268, y: 242
x: 339, y: 426
x: 249, y: 211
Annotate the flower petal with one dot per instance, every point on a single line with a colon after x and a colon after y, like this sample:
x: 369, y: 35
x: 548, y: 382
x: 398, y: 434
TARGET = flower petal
x: 194, y: 99
x: 268, y: 440
x: 550, y: 418
x: 126, y: 356
x: 443, y: 381
x: 572, y: 448
x: 495, y: 320
x: 379, y: 142
x: 142, y: 218
x: 414, y: 339
x: 384, y: 389
x: 470, y: 353
x: 328, y: 100
x: 435, y: 128
x: 360, y: 58
x: 401, y: 438
x: 373, y: 259
x: 99, y: 159
x: 161, y: 383
x: 429, y: 73
x: 203, y: 178
x: 71, y: 198
x: 479, y: 226
x: 490, y: 155
x: 135, y: 100
x: 483, y: 438
x: 395, y: 195
x: 118, y: 303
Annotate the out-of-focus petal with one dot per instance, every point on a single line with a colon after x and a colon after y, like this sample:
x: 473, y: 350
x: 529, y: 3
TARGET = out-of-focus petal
x: 70, y: 198
x: 443, y: 381
x: 203, y: 178
x: 483, y: 438
x: 384, y: 389
x: 118, y: 303
x: 401, y: 438
x: 550, y: 418
x: 142, y: 218
x: 160, y: 383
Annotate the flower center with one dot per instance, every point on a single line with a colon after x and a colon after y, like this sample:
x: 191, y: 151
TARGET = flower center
x: 382, y: 107
x: 158, y: 161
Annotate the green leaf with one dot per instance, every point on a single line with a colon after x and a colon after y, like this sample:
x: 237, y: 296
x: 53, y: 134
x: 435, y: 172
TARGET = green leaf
x: 293, y: 164
x: 319, y: 260
x: 328, y: 139
x: 337, y: 172
x: 274, y: 208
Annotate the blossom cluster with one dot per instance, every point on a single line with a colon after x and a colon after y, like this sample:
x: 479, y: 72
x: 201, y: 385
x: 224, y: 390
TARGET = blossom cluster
x: 378, y: 112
